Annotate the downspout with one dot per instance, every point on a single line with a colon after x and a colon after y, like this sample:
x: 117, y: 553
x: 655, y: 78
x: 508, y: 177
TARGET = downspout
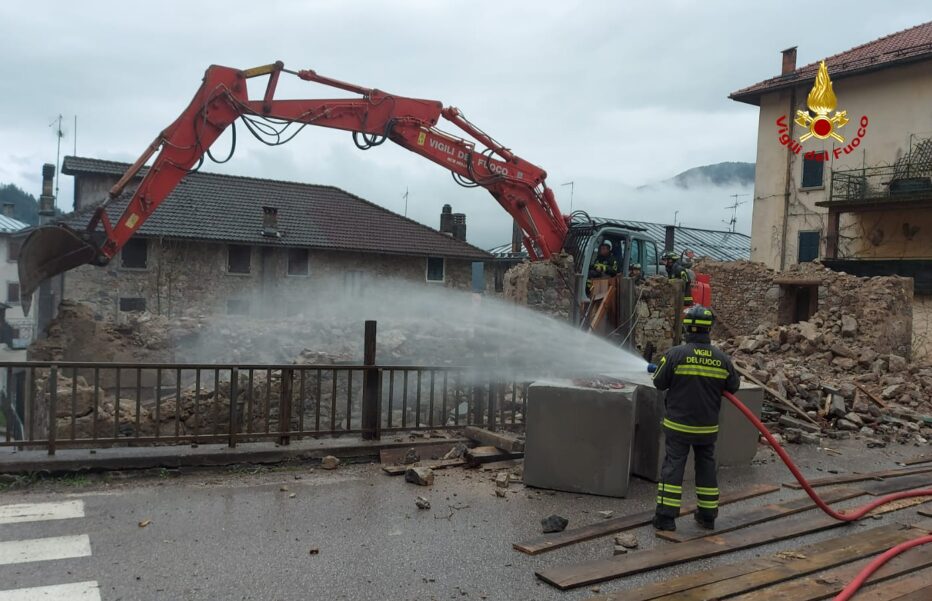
x: 787, y: 179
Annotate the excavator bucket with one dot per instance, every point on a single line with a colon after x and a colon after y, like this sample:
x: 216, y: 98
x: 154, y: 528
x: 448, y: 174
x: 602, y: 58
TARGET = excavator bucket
x: 48, y: 251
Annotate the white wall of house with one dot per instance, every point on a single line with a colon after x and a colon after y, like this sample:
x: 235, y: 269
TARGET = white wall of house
x: 898, y: 104
x: 9, y: 291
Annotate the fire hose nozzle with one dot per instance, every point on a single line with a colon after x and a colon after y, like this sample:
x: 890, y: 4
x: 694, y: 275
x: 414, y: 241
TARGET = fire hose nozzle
x: 651, y: 368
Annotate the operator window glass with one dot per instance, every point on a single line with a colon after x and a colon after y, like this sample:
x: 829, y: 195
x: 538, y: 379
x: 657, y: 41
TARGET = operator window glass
x: 636, y: 250
x: 649, y: 263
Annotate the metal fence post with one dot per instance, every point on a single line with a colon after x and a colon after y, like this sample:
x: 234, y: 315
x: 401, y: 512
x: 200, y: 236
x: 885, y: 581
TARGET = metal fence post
x: 371, y: 415
x: 234, y: 425
x: 53, y: 408
x: 284, y: 409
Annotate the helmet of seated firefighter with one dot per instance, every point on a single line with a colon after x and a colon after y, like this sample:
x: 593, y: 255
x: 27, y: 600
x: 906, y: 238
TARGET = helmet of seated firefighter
x: 607, y: 244
x: 698, y: 319
x: 669, y: 256
x: 636, y: 266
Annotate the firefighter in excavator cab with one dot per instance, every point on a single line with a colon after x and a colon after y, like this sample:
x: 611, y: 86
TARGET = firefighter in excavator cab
x: 636, y: 274
x: 694, y: 374
x: 605, y: 265
x: 678, y: 269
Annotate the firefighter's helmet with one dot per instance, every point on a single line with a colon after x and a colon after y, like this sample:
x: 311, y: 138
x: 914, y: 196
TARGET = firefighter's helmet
x: 698, y: 319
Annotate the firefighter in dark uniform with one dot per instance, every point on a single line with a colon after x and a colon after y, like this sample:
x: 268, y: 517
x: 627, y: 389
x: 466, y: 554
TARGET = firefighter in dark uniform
x: 603, y: 266
x: 694, y: 375
x: 677, y: 270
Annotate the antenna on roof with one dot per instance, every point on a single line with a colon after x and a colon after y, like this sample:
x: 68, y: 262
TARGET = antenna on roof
x: 734, y: 211
x: 405, y: 196
x: 59, y: 134
x: 572, y: 186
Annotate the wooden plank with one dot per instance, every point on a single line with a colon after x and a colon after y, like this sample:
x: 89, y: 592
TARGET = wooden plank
x: 802, y: 562
x: 505, y: 441
x: 829, y: 583
x: 783, y: 400
x: 915, y: 587
x: 689, y: 530
x: 501, y: 465
x: 871, y: 396
x: 849, y: 478
x: 919, y: 481
x: 439, y: 464
x: 543, y: 544
x: 479, y: 455
x: 926, y: 458
x: 573, y: 576
x: 425, y: 451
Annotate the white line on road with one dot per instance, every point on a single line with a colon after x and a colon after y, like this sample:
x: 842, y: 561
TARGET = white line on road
x: 78, y: 591
x: 37, y: 512
x: 44, y: 549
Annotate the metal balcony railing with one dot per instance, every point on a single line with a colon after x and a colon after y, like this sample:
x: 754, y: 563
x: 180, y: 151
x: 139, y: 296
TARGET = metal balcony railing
x: 885, y: 183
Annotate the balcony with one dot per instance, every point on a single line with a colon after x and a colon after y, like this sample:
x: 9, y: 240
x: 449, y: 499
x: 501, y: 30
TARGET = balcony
x: 905, y: 184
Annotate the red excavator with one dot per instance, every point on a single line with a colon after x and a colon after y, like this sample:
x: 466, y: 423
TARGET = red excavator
x: 519, y: 186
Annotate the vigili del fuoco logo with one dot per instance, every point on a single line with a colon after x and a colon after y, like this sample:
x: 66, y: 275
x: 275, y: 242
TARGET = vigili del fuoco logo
x: 821, y: 121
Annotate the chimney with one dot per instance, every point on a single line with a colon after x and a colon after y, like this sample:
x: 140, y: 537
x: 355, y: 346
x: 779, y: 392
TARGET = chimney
x: 270, y: 222
x: 459, y: 226
x: 446, y: 220
x: 789, y: 61
x: 668, y: 238
x: 8, y: 209
x: 47, y: 200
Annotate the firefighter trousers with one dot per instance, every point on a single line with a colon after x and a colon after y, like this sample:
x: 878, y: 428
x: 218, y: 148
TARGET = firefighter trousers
x: 670, y: 487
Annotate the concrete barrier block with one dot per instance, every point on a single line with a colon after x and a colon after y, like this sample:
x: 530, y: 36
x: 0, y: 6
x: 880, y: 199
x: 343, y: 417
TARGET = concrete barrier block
x: 579, y: 439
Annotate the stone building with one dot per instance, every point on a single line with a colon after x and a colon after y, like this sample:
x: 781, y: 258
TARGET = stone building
x: 241, y: 245
x: 861, y: 202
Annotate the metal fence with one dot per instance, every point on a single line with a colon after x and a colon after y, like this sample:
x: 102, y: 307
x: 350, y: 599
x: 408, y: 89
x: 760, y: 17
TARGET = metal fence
x: 901, y: 182
x: 65, y: 404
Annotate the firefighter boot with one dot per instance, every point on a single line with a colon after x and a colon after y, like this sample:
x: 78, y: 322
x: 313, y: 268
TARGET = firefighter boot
x: 704, y: 521
x: 664, y: 522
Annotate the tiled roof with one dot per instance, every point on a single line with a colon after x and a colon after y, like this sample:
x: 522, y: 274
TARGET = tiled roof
x: 228, y: 208
x: 909, y: 45
x: 721, y: 246
x: 8, y: 225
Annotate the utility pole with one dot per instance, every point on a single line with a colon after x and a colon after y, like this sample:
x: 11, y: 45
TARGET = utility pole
x: 734, y: 211
x: 405, y: 196
x: 572, y: 186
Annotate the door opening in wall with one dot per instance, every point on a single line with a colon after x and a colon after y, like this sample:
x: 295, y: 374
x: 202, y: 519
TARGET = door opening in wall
x: 798, y: 302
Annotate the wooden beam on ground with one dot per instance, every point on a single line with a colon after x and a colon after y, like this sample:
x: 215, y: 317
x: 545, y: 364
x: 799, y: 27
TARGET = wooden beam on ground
x: 505, y: 441
x: 439, y: 464
x: 721, y: 582
x: 550, y: 542
x: 501, y: 465
x: 782, y: 399
x: 926, y: 458
x: 848, y: 478
x: 689, y: 530
x: 591, y: 572
x: 871, y: 396
x: 425, y: 451
x: 885, y: 487
x: 479, y: 455
x: 830, y: 583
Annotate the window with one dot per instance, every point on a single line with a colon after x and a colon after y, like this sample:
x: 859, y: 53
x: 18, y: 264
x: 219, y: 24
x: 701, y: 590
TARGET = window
x: 237, y: 306
x: 352, y: 282
x: 16, y: 244
x: 135, y: 254
x: 297, y: 261
x: 812, y: 173
x: 238, y: 258
x: 434, y: 269
x: 650, y: 259
x: 808, y: 248
x: 14, y: 333
x: 636, y: 251
x: 478, y: 276
x: 12, y: 293
x: 132, y: 304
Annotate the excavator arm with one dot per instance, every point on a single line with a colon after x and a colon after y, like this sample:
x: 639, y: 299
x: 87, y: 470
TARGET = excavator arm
x: 518, y: 186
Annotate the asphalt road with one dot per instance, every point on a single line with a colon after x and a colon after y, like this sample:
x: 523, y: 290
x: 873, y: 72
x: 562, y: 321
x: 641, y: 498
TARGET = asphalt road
x: 236, y: 535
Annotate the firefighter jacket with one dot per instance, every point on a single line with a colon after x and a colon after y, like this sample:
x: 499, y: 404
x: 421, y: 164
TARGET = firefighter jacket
x: 603, y: 267
x: 694, y: 375
x: 678, y: 272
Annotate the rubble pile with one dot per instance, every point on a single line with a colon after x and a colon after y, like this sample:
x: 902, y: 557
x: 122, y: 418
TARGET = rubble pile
x: 847, y: 366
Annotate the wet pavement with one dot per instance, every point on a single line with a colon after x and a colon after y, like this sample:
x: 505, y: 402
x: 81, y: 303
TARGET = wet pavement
x: 237, y: 535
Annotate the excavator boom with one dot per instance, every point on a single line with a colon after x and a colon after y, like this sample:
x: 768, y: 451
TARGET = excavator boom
x: 518, y: 185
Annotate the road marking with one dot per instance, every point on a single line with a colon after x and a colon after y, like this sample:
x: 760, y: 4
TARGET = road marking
x: 44, y: 549
x: 77, y: 591
x: 37, y: 512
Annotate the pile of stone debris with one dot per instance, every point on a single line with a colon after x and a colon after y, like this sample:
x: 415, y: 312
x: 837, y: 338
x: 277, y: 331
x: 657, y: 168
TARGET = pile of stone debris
x: 842, y: 384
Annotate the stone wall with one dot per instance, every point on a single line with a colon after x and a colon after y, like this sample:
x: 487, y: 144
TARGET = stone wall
x: 749, y: 296
x: 543, y: 286
x: 656, y: 316
x: 191, y: 278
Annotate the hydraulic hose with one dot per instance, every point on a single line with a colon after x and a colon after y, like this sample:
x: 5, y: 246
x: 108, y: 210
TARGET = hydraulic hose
x: 845, y: 516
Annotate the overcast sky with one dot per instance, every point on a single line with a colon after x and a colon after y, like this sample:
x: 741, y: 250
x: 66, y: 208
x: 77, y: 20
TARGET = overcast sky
x: 609, y: 95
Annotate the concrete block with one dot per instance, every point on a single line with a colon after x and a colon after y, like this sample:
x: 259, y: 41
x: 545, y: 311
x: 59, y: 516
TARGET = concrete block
x: 579, y: 439
x: 737, y: 437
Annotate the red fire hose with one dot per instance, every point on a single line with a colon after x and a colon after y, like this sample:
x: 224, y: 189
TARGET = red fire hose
x: 846, y: 516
